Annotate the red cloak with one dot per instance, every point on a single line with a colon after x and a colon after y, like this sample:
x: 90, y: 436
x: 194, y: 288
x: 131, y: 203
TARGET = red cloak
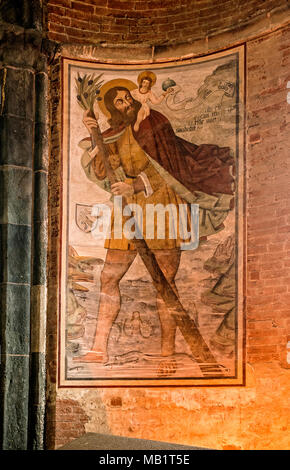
x: 198, y: 167
x: 203, y: 167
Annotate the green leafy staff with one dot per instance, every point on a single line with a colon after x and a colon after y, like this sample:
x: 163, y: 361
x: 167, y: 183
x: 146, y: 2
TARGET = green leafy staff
x: 88, y: 89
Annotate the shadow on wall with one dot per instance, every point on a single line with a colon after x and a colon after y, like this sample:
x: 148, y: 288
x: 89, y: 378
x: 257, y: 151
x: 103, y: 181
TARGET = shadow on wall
x: 73, y: 416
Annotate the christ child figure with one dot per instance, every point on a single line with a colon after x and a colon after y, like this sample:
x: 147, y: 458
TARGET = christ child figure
x: 143, y: 94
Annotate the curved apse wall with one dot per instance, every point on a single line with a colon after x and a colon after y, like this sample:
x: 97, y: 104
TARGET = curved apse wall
x: 243, y: 417
x: 154, y: 22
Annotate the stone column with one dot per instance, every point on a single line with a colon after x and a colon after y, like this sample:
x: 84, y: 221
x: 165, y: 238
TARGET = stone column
x: 39, y: 263
x: 23, y: 240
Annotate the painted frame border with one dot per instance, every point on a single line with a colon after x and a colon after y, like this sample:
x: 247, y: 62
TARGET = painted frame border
x: 240, y: 223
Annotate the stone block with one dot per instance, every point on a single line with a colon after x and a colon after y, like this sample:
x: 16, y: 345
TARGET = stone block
x: 36, y: 429
x: 21, y: 49
x: 15, y: 253
x: 16, y: 196
x: 41, y: 147
x: 38, y: 372
x: 19, y: 93
x: 38, y: 319
x: 14, y: 392
x: 16, y: 136
x: 40, y: 199
x: 15, y: 318
x: 35, y: 9
x: 26, y: 13
x: 41, y: 96
x: 12, y: 12
x: 40, y: 253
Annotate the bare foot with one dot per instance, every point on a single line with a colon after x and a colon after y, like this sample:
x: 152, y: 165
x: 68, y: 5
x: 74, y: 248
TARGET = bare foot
x: 92, y: 356
x: 167, y: 367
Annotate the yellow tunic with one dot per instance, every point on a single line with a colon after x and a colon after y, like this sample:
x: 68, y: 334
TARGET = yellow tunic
x: 129, y: 161
x: 135, y: 162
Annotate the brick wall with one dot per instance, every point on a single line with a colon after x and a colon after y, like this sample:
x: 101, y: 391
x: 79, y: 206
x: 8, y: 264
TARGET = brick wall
x: 268, y: 181
x: 250, y: 417
x: 151, y: 22
x: 71, y: 419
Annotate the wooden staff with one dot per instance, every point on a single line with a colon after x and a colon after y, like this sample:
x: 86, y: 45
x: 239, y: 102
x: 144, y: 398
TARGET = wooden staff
x: 186, y: 325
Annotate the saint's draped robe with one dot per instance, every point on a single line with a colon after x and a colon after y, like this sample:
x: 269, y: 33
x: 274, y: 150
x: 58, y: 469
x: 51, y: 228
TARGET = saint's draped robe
x: 173, y: 170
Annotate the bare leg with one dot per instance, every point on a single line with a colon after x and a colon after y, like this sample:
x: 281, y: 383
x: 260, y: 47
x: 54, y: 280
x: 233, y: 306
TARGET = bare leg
x: 116, y: 265
x: 169, y: 263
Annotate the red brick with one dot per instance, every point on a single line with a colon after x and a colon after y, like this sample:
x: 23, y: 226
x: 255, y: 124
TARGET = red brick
x: 116, y: 28
x: 254, y: 275
x: 264, y: 340
x: 74, y: 23
x: 270, y: 266
x: 70, y: 420
x: 78, y: 14
x: 111, y: 38
x: 166, y: 27
x: 260, y: 325
x: 141, y: 6
x: 262, y: 357
x: 263, y: 349
x: 128, y: 21
x: 96, y: 3
x: 56, y: 10
x: 274, y: 247
x: 255, y: 138
x: 82, y: 7
x: 56, y: 28
x: 57, y: 37
x: 101, y: 11
x: 285, y: 229
x: 261, y: 239
x: 120, y: 5
x: 63, y: 3
x: 257, y: 249
x: 61, y: 20
x: 159, y: 4
x: 78, y: 33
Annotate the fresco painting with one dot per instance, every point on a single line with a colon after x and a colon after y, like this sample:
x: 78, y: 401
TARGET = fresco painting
x: 152, y: 260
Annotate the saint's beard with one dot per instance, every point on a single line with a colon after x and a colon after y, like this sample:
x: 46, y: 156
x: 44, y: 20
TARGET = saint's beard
x: 125, y: 118
x: 130, y: 115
